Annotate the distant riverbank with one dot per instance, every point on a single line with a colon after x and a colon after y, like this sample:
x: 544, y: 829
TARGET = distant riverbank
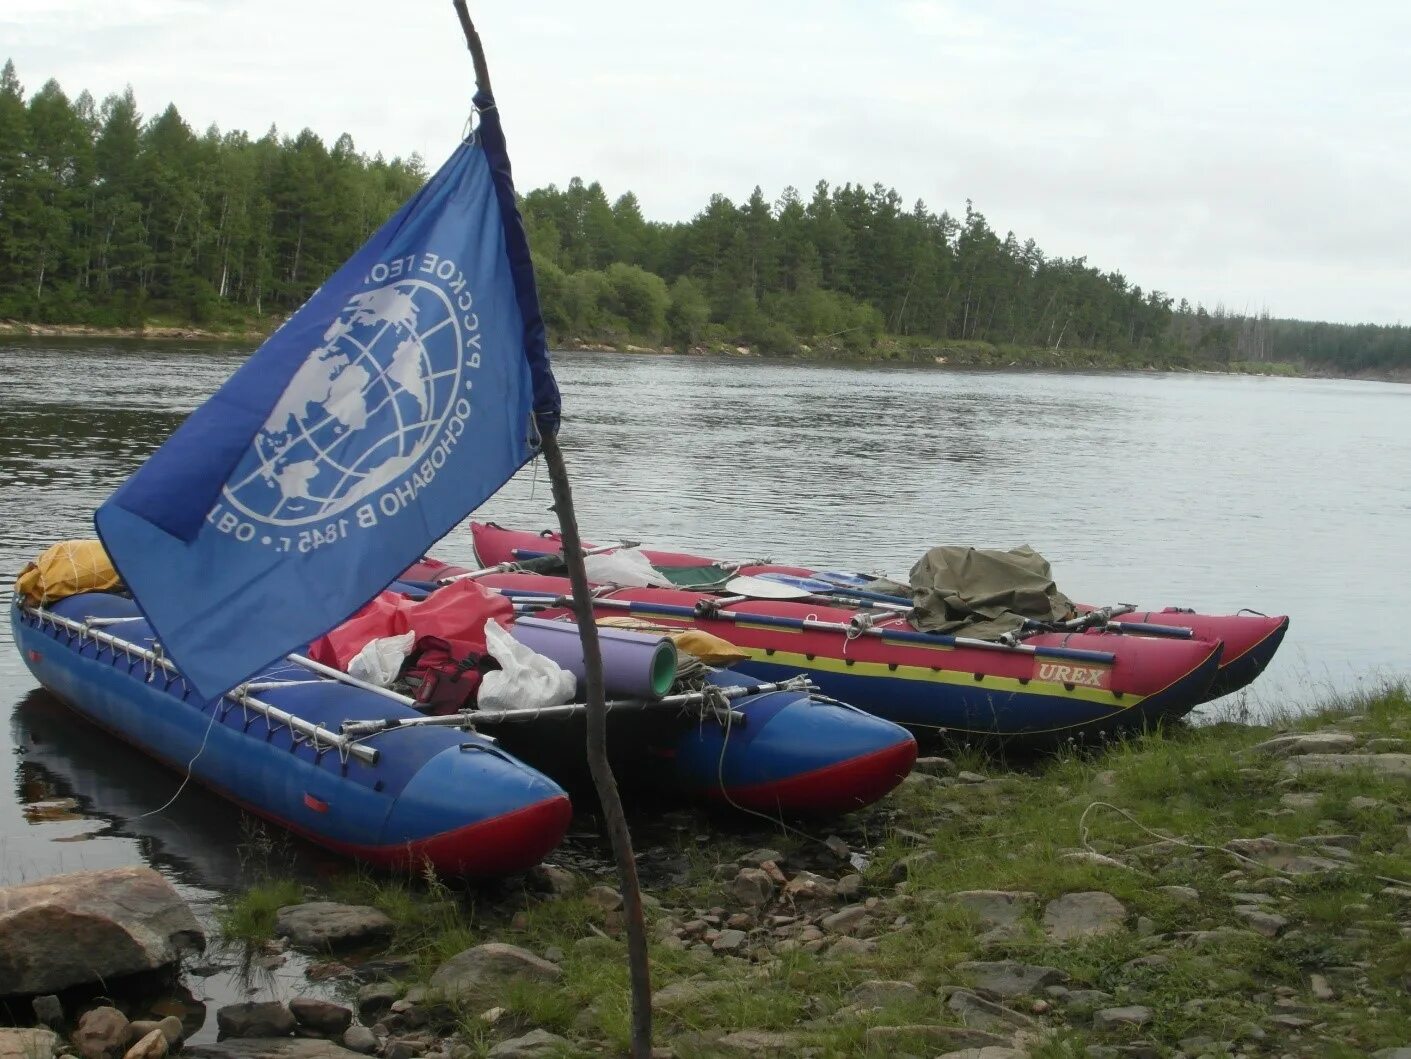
x: 887, y: 350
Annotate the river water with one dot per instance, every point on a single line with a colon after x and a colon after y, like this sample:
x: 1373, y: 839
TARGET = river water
x: 1212, y: 491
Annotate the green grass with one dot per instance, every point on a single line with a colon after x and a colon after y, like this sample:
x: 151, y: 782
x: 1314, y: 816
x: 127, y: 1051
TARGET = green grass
x: 249, y: 917
x: 1202, y: 786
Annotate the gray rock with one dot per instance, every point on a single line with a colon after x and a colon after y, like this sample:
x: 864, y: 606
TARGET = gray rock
x: 849, y: 886
x: 903, y: 868
x: 757, y: 857
x: 729, y: 940
x: 268, y: 1048
x: 360, y: 1039
x: 268, y: 1018
x: 170, y: 1026
x: 846, y: 946
x: 1184, y: 894
x: 756, y: 1042
x: 28, y: 1043
x: 48, y: 1009
x: 536, y: 1044
x: 1088, y: 856
x: 975, y: 1010
x: 1285, y: 856
x: 1361, y: 803
x: 806, y: 886
x: 1083, y: 915
x: 376, y: 998
x: 1319, y: 987
x: 753, y: 887
x: 1396, y: 765
x: 878, y: 992
x: 322, y: 1016
x: 1134, y: 1016
x: 1010, y: 978
x: 1403, y: 1052
x: 689, y: 992
x: 1385, y: 746
x: 970, y: 777
x: 1262, y: 922
x: 151, y: 1046
x: 101, y: 1033
x: 888, y: 1040
x: 997, y: 911
x: 327, y: 925
x: 551, y: 879
x: 604, y: 897
x: 989, y: 1052
x: 1086, y: 998
x: 935, y: 766
x: 489, y: 965
x: 91, y: 927
x: 845, y: 920
x: 1301, y: 799
x: 1307, y: 743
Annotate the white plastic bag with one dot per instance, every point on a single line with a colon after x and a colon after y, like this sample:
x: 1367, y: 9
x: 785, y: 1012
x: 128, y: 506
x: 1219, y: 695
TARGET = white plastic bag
x: 525, y: 679
x: 381, y: 660
x: 626, y: 567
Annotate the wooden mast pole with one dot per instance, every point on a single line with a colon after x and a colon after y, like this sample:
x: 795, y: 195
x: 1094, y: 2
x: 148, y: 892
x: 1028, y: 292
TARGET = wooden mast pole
x: 638, y: 964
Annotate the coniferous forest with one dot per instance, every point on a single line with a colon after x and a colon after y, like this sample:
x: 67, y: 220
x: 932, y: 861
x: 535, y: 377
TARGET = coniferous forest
x: 110, y: 217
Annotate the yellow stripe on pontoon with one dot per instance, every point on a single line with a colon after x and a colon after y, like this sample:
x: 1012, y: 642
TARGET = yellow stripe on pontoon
x: 905, y: 672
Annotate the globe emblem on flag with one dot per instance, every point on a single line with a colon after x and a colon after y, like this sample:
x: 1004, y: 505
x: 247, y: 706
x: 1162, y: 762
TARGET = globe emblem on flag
x: 360, y: 411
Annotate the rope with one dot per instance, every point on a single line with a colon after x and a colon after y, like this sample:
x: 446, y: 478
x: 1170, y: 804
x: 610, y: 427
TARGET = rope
x: 189, y: 766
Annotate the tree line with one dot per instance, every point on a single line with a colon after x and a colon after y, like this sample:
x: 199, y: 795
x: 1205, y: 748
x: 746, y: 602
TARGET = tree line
x: 107, y: 217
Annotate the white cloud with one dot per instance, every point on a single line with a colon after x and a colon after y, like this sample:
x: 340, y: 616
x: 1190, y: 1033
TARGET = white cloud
x: 1246, y: 153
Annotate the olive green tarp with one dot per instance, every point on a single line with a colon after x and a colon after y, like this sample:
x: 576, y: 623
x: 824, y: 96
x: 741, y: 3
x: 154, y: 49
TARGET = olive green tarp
x: 984, y: 592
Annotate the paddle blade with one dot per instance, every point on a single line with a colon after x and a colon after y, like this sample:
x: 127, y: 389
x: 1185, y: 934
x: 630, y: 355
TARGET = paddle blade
x: 764, y: 588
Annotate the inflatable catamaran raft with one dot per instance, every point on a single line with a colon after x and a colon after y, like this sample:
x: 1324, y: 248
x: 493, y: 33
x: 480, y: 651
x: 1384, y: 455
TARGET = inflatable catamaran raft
x: 377, y: 775
x: 1094, y: 674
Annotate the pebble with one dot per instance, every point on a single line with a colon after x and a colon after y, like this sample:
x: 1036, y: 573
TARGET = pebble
x: 753, y: 887
x: 360, y: 1039
x: 1183, y: 894
x: 604, y: 897
x: 1265, y: 923
x: 1082, y: 915
x: 729, y: 940
x: 1010, y: 978
x: 1114, y: 1018
x: 845, y: 920
x: 878, y: 992
x: 935, y: 766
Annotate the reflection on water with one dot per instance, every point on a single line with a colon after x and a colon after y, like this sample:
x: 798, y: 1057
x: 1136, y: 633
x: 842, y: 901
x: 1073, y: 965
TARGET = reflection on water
x: 1285, y: 495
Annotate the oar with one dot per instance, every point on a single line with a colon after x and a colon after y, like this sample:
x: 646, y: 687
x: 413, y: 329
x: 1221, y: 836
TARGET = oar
x: 817, y: 590
x: 815, y: 625
x: 526, y: 557
x: 473, y: 718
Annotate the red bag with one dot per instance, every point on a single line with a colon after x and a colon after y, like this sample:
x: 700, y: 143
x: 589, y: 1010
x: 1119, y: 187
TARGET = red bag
x: 457, y: 613
x: 445, y: 675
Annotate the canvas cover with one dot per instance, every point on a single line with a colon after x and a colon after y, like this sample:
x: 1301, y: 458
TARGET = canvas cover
x: 66, y: 569
x: 984, y: 592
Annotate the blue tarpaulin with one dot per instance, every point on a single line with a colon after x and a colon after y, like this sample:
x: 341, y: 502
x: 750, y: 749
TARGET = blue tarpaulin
x: 405, y: 392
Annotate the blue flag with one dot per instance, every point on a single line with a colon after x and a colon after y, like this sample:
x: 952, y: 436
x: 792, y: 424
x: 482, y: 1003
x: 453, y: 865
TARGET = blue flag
x: 405, y: 392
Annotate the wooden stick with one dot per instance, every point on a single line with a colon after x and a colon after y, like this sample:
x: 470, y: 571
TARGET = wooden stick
x: 638, y: 965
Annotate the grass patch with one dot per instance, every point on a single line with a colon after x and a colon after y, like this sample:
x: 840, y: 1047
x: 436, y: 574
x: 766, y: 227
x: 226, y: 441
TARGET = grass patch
x: 249, y: 917
x: 1163, y: 805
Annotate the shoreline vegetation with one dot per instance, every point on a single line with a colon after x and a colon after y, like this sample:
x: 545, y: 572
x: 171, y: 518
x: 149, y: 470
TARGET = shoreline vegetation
x: 115, y: 219
x: 959, y: 355
x: 1220, y: 890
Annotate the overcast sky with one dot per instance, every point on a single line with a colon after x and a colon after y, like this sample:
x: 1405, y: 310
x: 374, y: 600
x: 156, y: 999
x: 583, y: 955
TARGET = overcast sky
x: 1250, y: 153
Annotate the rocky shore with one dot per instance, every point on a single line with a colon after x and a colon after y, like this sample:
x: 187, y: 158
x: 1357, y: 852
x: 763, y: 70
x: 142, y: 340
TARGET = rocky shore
x: 1219, y: 891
